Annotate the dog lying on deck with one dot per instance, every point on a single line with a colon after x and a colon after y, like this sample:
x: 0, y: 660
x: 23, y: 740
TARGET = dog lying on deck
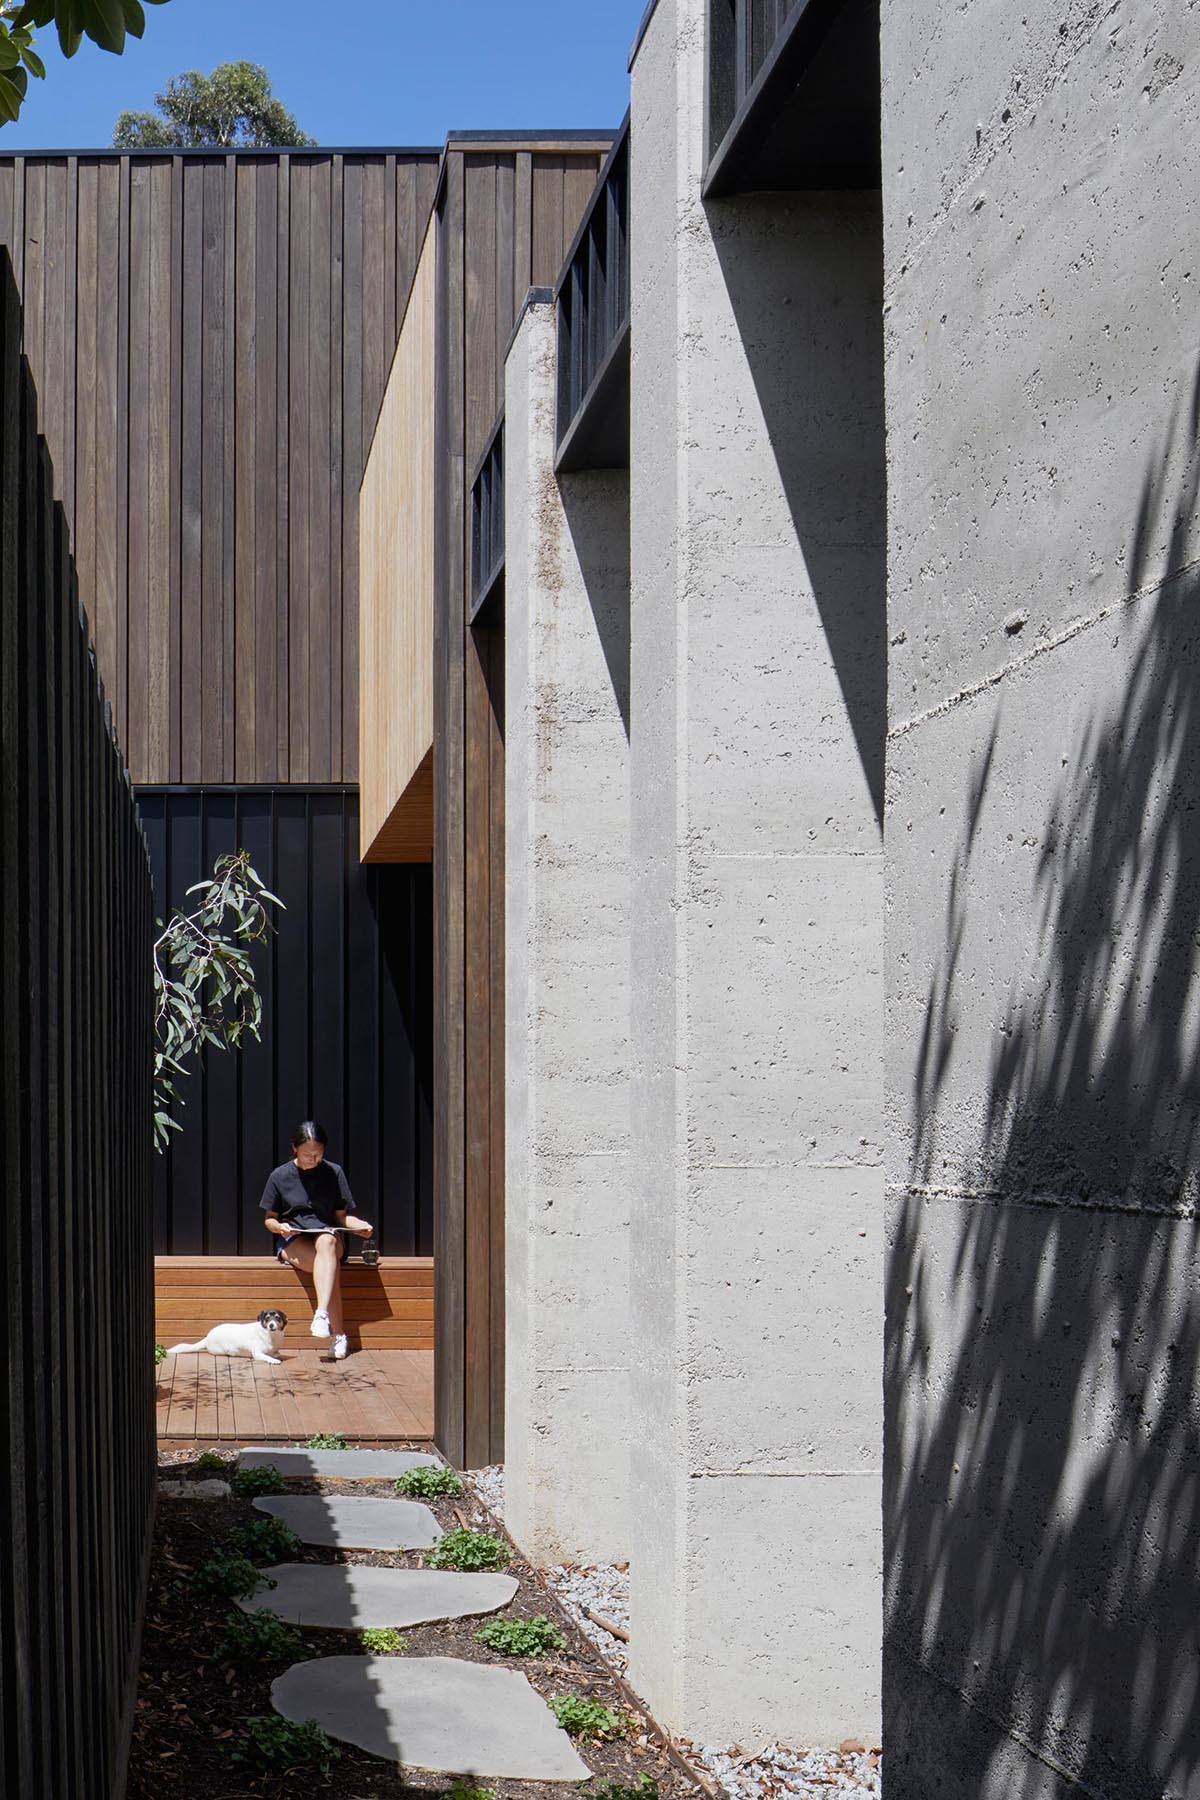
x: 261, y: 1339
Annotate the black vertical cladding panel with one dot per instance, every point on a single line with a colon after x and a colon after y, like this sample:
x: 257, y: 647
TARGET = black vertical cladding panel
x: 257, y: 1107
x: 346, y: 1027
x: 220, y: 1164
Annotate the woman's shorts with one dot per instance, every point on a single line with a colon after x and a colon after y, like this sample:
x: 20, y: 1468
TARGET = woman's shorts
x: 279, y: 1248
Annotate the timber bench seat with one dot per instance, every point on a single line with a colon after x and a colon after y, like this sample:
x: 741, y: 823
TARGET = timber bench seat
x: 386, y: 1308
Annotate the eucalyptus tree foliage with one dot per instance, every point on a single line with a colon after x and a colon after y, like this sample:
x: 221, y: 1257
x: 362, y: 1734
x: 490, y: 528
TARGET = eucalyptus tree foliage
x: 232, y: 108
x: 106, y: 22
x: 204, y: 986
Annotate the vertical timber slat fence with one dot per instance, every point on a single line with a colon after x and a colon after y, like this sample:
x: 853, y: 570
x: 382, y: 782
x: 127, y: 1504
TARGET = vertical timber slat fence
x: 77, y: 1397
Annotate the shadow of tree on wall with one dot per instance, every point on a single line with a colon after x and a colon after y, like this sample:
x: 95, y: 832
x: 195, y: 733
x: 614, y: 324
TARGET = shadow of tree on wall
x: 1042, y: 1484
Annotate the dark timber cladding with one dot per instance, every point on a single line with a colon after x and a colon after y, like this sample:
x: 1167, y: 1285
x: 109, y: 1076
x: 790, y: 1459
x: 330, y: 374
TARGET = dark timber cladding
x: 210, y: 336
x: 77, y: 1391
x: 346, y: 1032
x: 507, y: 209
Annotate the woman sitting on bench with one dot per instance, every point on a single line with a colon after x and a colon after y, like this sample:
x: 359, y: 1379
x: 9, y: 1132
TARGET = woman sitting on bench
x: 309, y: 1208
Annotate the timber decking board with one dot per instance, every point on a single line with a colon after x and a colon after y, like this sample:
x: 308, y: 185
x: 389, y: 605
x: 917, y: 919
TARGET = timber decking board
x: 387, y: 1308
x: 195, y: 355
x: 382, y: 1395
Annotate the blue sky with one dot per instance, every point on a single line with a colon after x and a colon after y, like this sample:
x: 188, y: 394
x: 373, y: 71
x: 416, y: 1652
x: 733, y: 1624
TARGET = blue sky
x: 404, y: 72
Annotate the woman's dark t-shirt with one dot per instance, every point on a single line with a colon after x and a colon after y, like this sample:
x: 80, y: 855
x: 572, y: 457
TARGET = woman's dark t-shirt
x: 307, y: 1199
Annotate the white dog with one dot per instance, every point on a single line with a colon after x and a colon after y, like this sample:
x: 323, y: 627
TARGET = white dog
x: 260, y: 1339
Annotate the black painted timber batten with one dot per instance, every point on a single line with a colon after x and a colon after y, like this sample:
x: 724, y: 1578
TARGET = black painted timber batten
x: 77, y: 1397
x: 793, y: 95
x: 592, y: 296
x: 487, y: 532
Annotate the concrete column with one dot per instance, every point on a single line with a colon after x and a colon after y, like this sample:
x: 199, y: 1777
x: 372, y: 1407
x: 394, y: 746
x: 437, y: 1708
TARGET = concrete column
x: 757, y: 659
x: 566, y: 981
x: 1041, y: 168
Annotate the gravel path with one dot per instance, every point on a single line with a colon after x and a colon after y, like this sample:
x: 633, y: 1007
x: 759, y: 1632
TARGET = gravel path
x: 774, y: 1772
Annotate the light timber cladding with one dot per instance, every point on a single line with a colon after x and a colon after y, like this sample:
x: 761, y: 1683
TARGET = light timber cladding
x: 210, y: 336
x: 396, y: 594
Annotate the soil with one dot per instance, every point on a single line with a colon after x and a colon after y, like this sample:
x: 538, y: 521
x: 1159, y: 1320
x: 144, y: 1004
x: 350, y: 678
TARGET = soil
x: 194, y: 1699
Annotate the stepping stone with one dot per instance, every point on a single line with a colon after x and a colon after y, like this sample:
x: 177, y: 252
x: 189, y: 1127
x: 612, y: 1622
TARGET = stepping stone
x: 433, y: 1712
x: 349, y: 1523
x: 356, y: 1598
x: 343, y: 1465
x: 176, y: 1489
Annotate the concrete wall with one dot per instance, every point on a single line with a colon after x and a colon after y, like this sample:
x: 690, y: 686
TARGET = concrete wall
x: 757, y: 677
x: 566, y: 982
x: 1043, y: 1428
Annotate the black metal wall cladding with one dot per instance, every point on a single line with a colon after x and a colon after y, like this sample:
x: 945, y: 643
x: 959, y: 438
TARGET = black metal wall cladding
x: 346, y: 1031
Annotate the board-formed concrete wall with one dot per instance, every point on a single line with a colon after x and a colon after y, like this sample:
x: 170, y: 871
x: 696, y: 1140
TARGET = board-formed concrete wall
x: 1043, y: 1319
x: 757, y: 729
x: 566, y: 981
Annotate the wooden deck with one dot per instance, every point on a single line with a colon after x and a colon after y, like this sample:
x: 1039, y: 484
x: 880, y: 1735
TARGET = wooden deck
x: 386, y: 1308
x: 376, y: 1395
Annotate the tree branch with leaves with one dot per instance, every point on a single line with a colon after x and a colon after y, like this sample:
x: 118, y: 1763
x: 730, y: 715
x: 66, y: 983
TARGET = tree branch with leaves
x: 107, y: 22
x: 205, y: 990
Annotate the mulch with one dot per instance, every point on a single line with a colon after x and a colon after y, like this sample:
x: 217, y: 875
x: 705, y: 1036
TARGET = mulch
x: 194, y: 1699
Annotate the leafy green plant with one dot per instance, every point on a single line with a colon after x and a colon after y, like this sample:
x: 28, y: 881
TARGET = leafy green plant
x: 522, y: 1637
x: 429, y: 1483
x: 106, y: 22
x: 644, y: 1788
x: 275, y: 1743
x: 326, y: 1440
x: 468, y: 1550
x: 267, y: 1541
x: 585, y: 1718
x: 382, y: 1641
x: 261, y: 1637
x: 211, y: 1459
x: 160, y: 1354
x: 463, y: 1788
x: 226, y: 1577
x: 205, y: 990
x: 248, y: 1484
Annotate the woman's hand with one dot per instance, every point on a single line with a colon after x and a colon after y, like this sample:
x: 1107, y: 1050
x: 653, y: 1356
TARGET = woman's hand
x: 361, y: 1226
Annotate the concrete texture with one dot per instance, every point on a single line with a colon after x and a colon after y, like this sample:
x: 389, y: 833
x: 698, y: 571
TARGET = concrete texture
x: 340, y: 1465
x: 1043, y: 1323
x: 566, y: 982
x: 356, y: 1597
x: 350, y: 1523
x: 433, y: 1712
x: 757, y: 659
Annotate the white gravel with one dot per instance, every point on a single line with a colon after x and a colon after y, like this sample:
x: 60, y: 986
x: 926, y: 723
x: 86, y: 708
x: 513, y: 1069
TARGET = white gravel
x: 776, y: 1770
x: 489, y: 1484
x: 603, y: 1589
x: 772, y: 1772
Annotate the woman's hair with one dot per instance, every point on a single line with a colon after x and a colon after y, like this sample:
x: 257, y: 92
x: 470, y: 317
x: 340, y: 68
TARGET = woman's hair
x: 309, y: 1132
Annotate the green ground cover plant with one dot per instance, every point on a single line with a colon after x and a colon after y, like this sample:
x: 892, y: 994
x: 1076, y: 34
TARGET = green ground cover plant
x: 248, y: 1484
x: 326, y: 1440
x: 463, y: 1788
x: 522, y: 1637
x: 160, y: 1354
x: 211, y: 1459
x: 383, y: 1640
x: 429, y: 1484
x: 267, y: 1541
x: 644, y: 1788
x: 468, y: 1550
x: 273, y: 1743
x: 226, y: 1577
x: 261, y: 1637
x: 585, y: 1718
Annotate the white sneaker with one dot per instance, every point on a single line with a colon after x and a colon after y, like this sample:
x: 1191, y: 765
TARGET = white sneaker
x: 320, y: 1324
x: 340, y: 1347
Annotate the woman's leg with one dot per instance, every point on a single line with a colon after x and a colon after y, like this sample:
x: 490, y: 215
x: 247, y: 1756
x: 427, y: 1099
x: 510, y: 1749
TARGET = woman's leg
x: 325, y: 1279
